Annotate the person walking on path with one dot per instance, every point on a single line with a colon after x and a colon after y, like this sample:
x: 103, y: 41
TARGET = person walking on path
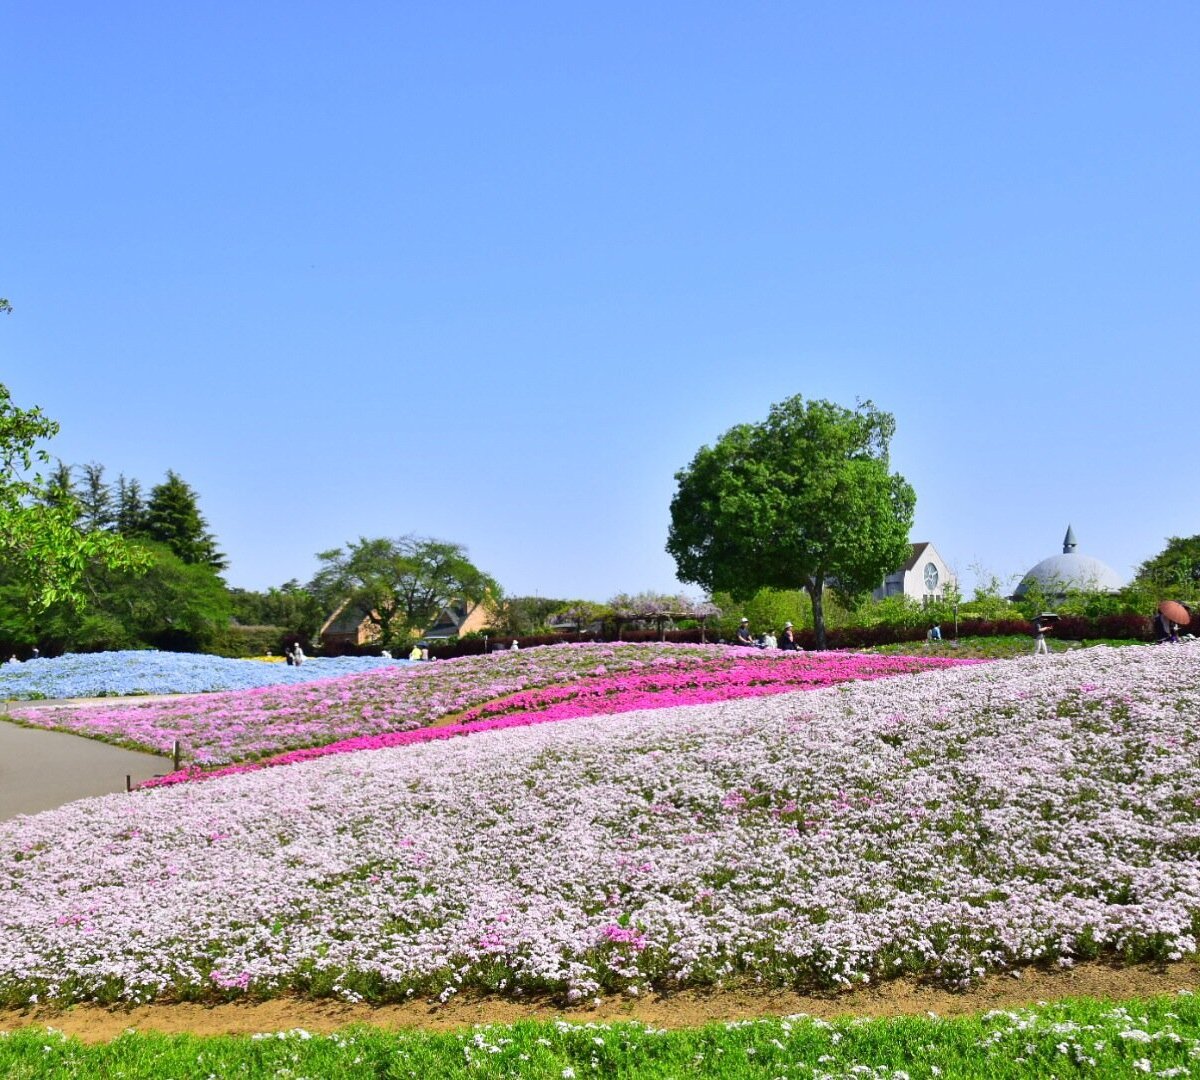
x: 1043, y: 623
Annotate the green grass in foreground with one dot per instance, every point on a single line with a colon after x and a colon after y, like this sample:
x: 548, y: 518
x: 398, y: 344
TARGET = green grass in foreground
x: 1155, y: 1037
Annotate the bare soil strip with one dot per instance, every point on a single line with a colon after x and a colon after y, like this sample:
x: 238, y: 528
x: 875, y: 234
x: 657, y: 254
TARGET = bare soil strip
x: 903, y: 997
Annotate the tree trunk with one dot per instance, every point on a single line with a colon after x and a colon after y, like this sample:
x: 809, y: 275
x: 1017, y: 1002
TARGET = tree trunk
x: 816, y: 593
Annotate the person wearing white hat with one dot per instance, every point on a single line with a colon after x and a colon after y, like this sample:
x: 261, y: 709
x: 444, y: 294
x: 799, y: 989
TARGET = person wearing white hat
x: 787, y: 638
x: 744, y: 636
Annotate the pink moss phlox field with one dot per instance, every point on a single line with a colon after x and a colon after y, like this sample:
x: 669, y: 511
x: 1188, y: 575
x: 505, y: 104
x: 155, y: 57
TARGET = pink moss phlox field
x: 745, y: 675
x: 606, y: 695
x: 1030, y: 811
x: 228, y: 728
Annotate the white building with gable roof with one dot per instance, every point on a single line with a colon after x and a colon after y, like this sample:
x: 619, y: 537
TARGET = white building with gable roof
x: 925, y: 576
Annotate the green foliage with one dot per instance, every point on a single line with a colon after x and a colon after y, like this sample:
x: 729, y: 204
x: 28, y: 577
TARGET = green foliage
x: 520, y: 616
x: 43, y: 552
x: 59, y: 491
x: 20, y: 432
x: 1173, y: 574
x: 248, y: 641
x: 291, y: 607
x: 1155, y: 1036
x: 801, y: 501
x: 131, y: 508
x: 96, y: 510
x: 583, y: 613
x: 173, y: 518
x: 168, y: 604
x: 904, y: 611
x: 767, y: 610
x: 400, y: 585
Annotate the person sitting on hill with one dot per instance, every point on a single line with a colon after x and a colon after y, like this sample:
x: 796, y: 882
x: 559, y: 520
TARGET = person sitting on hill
x: 744, y: 637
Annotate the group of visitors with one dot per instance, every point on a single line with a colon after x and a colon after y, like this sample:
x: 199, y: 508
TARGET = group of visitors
x: 786, y: 639
x: 1168, y: 622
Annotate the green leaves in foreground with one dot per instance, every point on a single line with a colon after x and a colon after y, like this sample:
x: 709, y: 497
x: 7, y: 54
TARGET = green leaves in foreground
x: 1156, y: 1037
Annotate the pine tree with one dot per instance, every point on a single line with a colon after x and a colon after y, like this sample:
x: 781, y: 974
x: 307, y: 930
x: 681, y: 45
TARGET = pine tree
x: 59, y: 491
x: 173, y: 518
x: 95, y: 500
x: 131, y: 508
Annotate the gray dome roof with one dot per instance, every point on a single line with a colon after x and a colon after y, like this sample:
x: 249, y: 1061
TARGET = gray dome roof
x: 1070, y: 570
x: 1061, y: 572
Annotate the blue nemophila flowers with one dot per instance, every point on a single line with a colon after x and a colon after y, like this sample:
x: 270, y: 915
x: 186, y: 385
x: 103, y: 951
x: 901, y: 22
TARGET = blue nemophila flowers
x: 115, y: 673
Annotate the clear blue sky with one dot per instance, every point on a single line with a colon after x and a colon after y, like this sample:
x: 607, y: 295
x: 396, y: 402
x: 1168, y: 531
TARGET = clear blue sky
x: 494, y: 272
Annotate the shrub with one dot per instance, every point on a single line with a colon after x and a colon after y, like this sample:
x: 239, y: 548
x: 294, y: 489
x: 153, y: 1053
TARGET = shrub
x: 243, y: 641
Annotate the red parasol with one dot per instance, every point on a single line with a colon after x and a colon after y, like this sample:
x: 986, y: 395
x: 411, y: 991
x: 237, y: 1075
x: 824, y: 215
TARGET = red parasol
x: 1176, y: 612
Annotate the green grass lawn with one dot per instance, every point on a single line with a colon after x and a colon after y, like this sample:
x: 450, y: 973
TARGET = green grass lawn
x: 1158, y: 1037
x: 990, y: 647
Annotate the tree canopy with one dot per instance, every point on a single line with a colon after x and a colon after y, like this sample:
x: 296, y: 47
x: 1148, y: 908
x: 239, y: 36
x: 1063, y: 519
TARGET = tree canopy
x: 45, y: 553
x: 172, y: 517
x: 167, y: 604
x: 400, y: 585
x: 1174, y: 573
x: 803, y: 500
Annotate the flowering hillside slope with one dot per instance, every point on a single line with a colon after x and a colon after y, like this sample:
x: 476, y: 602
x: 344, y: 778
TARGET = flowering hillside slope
x: 949, y: 823
x: 242, y: 726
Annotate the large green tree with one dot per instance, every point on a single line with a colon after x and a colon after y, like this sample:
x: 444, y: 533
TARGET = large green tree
x: 173, y: 518
x: 169, y: 604
x: 399, y: 585
x: 803, y: 500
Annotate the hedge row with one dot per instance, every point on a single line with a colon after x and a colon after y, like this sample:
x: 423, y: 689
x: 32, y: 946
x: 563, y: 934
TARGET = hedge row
x: 1071, y: 628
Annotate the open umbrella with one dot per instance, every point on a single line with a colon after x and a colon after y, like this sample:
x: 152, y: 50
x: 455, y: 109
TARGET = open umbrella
x: 1176, y: 612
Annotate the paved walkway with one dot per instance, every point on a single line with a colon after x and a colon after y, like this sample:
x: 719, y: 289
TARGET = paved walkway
x: 40, y: 770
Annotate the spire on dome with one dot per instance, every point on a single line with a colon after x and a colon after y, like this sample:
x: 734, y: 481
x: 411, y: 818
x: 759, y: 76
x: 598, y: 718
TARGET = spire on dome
x: 1069, y: 541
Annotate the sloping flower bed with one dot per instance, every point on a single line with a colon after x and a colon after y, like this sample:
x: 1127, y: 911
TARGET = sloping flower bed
x: 596, y: 692
x: 226, y: 728
x: 1001, y: 814
x: 112, y: 674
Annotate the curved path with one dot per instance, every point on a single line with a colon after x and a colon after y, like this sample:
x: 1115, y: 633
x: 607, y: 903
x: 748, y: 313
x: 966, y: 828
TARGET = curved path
x: 41, y: 770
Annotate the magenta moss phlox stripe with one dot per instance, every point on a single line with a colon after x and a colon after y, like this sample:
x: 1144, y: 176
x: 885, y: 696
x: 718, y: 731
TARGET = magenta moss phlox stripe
x: 223, y: 729
x: 616, y: 694
x: 743, y: 678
